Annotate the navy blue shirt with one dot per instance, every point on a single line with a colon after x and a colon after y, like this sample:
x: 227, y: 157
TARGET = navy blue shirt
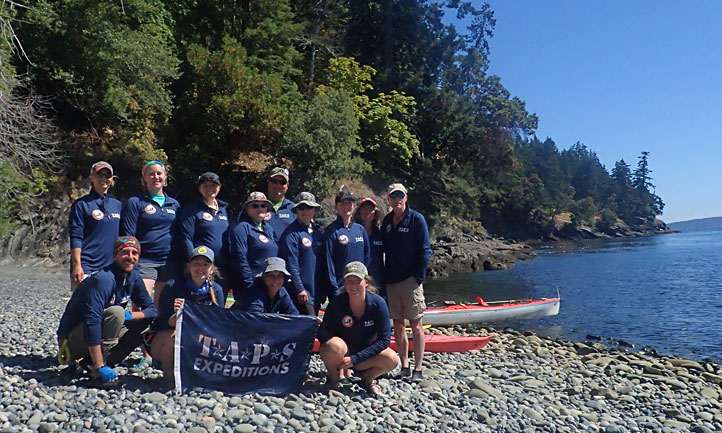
x: 366, y: 336
x: 406, y: 246
x: 299, y: 247
x: 342, y: 246
x: 281, y: 218
x: 103, y: 289
x: 248, y: 249
x: 180, y: 287
x: 151, y: 225
x: 94, y: 225
x: 256, y: 300
x: 200, y: 225
x: 376, y: 264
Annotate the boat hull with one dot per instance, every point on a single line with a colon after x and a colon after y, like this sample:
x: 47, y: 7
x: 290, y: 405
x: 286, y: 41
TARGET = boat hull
x: 509, y: 310
x: 442, y: 343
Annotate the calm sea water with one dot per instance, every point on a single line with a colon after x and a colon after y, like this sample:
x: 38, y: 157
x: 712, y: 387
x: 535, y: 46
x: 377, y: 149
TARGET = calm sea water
x: 663, y: 291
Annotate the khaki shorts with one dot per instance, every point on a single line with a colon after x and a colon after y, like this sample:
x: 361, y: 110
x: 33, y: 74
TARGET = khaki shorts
x: 406, y: 299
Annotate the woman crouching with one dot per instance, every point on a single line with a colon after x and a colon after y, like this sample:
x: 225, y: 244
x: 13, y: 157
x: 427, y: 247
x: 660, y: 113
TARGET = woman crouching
x: 195, y: 285
x: 356, y: 332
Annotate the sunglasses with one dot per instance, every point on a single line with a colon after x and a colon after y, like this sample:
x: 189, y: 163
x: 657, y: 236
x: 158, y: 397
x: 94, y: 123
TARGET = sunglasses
x: 257, y: 205
x: 397, y: 195
x: 277, y: 182
x: 103, y: 175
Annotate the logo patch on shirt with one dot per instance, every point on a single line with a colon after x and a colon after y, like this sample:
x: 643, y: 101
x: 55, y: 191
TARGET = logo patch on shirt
x: 115, y: 215
x: 97, y: 214
x: 343, y: 239
x: 284, y: 215
x: 206, y: 216
x: 378, y: 242
x: 403, y: 229
x: 359, y: 239
x: 347, y: 321
x: 368, y: 323
x: 388, y: 228
x: 223, y: 217
x: 306, y: 242
x: 149, y: 209
x: 268, y: 216
x: 263, y: 239
x: 171, y: 211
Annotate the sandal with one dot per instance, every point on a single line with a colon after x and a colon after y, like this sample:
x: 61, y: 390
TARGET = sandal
x: 142, y: 365
x: 372, y: 387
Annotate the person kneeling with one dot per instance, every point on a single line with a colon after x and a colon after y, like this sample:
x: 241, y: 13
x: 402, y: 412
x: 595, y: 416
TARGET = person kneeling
x: 267, y: 294
x: 194, y: 285
x: 95, y: 328
x: 356, y: 332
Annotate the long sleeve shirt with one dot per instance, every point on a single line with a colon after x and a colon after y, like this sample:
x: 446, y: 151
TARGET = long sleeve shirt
x: 151, y: 224
x: 180, y: 288
x: 376, y: 263
x: 93, y: 225
x: 256, y: 300
x: 406, y: 247
x: 103, y: 289
x: 200, y: 225
x: 366, y: 336
x: 248, y: 248
x: 343, y: 245
x: 280, y: 219
x: 299, y: 247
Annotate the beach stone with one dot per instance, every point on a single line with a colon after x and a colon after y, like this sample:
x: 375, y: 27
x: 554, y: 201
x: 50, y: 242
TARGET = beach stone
x: 485, y: 387
x: 154, y: 397
x: 262, y: 409
x: 686, y: 363
x: 701, y: 429
x: 429, y: 384
x: 532, y: 414
x: 245, y: 428
x: 710, y: 393
x: 605, y: 392
x: 713, y: 378
x: 236, y: 414
x: 496, y: 373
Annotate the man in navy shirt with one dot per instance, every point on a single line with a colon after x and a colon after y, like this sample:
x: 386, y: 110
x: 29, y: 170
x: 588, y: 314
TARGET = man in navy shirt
x: 95, y: 326
x: 407, y: 251
x: 280, y: 215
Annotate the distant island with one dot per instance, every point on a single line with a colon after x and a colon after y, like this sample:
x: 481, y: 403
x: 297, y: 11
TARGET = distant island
x: 712, y: 223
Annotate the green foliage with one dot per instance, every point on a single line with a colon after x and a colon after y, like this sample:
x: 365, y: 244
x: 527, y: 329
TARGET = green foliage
x: 15, y: 190
x: 322, y: 142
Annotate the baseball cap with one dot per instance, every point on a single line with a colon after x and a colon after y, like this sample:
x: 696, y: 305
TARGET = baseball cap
x: 279, y: 171
x: 368, y: 200
x: 99, y: 166
x: 203, y: 251
x: 209, y: 176
x: 396, y: 187
x: 344, y: 195
x: 357, y: 269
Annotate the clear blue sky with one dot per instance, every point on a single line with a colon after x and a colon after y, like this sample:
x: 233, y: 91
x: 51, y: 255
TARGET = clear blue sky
x: 624, y: 77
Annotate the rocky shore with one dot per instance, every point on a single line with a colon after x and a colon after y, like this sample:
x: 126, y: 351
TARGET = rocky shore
x: 518, y: 382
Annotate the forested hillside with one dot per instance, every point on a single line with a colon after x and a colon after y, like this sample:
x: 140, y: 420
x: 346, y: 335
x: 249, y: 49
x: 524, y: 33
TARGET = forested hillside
x: 338, y: 91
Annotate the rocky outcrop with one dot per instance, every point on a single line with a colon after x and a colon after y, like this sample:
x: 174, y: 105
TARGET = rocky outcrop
x: 472, y: 253
x: 565, y: 230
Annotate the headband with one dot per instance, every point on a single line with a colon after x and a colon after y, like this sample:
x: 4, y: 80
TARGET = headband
x: 125, y: 242
x: 149, y: 163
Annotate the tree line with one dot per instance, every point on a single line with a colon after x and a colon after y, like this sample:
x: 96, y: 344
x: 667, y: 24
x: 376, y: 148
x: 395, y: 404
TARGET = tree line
x: 336, y: 90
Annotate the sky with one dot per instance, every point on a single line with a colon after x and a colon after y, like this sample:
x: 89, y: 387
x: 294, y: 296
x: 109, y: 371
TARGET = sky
x: 623, y: 77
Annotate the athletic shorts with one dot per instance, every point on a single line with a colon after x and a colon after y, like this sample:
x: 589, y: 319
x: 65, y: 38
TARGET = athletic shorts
x: 406, y: 299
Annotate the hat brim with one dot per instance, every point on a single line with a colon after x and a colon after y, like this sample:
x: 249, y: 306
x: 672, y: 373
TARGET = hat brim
x: 273, y: 269
x: 307, y: 203
x: 355, y: 274
x: 245, y: 204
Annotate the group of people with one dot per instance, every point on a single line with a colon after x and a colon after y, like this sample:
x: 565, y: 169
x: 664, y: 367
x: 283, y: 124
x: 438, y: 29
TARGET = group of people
x: 273, y: 256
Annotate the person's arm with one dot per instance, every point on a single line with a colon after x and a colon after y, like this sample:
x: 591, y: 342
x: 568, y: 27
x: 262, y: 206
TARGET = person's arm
x: 367, y: 247
x: 424, y: 250
x: 327, y: 329
x: 186, y: 232
x: 238, y: 248
x: 289, y: 251
x: 287, y: 306
x: 76, y: 228
x: 329, y: 243
x: 383, y: 332
x: 129, y: 218
x: 140, y: 297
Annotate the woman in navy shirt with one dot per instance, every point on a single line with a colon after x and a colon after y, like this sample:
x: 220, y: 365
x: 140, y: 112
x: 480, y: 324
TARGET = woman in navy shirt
x: 368, y: 215
x: 356, y: 332
x: 250, y: 243
x: 93, y: 224
x: 267, y: 294
x: 299, y: 246
x: 195, y: 284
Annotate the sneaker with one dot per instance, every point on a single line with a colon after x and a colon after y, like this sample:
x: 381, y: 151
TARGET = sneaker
x: 417, y: 375
x: 405, y: 372
x: 142, y: 365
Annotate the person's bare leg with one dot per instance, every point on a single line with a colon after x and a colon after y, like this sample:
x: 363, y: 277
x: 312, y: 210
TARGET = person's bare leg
x: 402, y: 341
x: 332, y: 353
x: 163, y: 351
x: 417, y: 330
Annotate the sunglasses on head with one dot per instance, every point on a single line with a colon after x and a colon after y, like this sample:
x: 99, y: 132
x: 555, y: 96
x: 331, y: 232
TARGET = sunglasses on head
x: 277, y: 182
x: 397, y: 195
x: 257, y: 205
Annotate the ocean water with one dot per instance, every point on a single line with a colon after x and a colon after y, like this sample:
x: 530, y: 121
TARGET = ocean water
x: 663, y: 292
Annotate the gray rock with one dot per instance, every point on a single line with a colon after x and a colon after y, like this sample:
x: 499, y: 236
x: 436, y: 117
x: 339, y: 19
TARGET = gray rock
x: 245, y: 428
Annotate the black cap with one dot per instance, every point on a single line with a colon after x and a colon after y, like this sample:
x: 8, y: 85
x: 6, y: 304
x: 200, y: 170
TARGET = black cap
x: 209, y: 176
x: 345, y: 195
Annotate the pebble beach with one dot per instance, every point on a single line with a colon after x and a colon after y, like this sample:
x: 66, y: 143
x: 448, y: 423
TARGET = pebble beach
x: 519, y: 382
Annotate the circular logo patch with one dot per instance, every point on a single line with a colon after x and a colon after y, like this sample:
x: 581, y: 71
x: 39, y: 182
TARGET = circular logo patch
x: 268, y: 216
x: 306, y: 242
x: 97, y: 214
x: 388, y: 228
x: 202, y: 250
x: 149, y: 209
x: 347, y: 321
x: 263, y: 239
x: 343, y: 239
x: 206, y: 216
